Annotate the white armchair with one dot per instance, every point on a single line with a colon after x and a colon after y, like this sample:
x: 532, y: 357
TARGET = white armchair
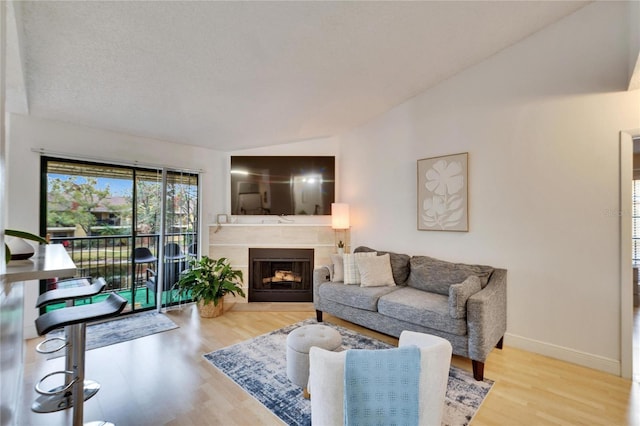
x: 326, y: 380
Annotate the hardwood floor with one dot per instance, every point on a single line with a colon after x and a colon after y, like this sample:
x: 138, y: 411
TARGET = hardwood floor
x: 164, y: 379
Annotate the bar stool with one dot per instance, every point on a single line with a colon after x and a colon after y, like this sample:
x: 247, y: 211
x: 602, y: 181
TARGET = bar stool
x: 76, y: 318
x: 62, y: 401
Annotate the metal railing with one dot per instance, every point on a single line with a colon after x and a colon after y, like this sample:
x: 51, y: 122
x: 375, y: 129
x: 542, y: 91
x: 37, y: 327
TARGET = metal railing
x: 111, y: 257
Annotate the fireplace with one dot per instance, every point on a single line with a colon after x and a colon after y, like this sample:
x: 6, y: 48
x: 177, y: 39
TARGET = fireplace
x: 280, y: 275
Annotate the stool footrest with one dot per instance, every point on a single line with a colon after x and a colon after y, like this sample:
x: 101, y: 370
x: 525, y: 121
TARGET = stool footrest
x: 40, y: 346
x: 59, y: 402
x: 61, y: 389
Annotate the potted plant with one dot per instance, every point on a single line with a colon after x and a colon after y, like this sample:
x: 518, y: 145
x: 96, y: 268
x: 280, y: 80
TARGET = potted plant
x: 208, y: 281
x: 340, y: 247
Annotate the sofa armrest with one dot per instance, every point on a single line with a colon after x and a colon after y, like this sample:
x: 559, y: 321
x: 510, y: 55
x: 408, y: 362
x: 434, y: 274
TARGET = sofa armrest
x: 487, y: 316
x: 320, y: 275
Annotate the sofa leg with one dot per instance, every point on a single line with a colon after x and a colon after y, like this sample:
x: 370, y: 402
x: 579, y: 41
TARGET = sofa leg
x: 499, y: 344
x: 318, y: 315
x: 478, y: 370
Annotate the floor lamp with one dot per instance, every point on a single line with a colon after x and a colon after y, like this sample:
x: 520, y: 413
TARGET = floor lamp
x: 340, y: 222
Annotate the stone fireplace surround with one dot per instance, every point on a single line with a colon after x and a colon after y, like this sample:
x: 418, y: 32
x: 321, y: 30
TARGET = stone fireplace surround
x: 234, y: 240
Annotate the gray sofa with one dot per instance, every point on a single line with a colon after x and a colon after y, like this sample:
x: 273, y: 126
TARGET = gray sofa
x: 465, y: 304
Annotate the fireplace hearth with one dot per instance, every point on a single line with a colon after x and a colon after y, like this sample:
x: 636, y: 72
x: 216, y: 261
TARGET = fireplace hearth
x: 280, y: 275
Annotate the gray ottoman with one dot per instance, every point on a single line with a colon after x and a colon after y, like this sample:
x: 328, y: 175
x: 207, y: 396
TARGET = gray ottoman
x: 299, y: 341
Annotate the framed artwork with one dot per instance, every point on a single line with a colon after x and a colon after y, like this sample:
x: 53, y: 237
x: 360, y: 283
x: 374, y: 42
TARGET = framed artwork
x: 443, y: 193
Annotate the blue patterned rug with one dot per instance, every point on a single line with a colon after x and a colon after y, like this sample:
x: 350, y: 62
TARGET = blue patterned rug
x: 259, y: 367
x: 121, y: 330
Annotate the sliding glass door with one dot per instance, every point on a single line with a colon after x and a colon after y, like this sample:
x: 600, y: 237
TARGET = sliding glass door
x: 113, y: 222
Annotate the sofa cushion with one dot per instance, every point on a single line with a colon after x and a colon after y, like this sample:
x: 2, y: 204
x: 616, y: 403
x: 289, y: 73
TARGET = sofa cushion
x: 338, y: 268
x: 354, y: 296
x: 375, y: 271
x: 399, y: 263
x: 460, y: 293
x: 434, y: 275
x: 351, y: 271
x: 421, y: 308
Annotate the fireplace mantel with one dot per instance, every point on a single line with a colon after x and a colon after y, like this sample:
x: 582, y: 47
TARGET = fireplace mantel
x: 233, y: 241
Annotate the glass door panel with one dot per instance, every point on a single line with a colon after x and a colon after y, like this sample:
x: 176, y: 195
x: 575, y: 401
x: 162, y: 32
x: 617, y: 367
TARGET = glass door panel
x: 109, y: 218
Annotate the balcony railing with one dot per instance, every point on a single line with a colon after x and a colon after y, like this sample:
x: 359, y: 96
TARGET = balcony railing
x: 111, y: 257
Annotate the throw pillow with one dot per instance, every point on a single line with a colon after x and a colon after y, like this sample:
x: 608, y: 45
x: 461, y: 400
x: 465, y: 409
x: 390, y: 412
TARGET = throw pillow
x: 351, y: 273
x: 435, y: 275
x: 460, y: 293
x: 375, y: 271
x: 399, y: 263
x: 338, y: 268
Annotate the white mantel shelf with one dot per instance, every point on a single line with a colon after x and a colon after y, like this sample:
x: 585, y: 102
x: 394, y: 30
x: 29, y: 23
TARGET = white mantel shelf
x: 50, y: 261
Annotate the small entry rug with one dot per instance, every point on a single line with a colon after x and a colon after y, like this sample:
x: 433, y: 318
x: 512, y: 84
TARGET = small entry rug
x: 121, y: 330
x: 259, y: 367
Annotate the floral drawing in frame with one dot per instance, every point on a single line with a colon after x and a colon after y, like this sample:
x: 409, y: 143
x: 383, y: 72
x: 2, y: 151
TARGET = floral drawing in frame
x: 443, y: 193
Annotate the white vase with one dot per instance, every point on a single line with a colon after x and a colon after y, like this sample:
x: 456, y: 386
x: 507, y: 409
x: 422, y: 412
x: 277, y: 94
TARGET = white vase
x: 340, y: 250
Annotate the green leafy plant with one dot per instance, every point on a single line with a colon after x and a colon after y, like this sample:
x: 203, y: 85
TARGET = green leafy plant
x: 340, y: 244
x: 20, y: 234
x: 209, y: 280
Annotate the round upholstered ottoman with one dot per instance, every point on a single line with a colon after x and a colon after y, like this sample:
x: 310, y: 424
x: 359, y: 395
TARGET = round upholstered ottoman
x: 299, y: 341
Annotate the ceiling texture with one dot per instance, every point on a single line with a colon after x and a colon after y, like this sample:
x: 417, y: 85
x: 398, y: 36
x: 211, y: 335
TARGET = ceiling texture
x: 235, y: 75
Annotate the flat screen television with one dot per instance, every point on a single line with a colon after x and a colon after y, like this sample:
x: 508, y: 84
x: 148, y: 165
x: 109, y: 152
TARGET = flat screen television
x: 282, y: 185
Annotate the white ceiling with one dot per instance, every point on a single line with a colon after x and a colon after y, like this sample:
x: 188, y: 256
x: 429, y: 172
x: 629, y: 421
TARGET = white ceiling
x: 233, y: 75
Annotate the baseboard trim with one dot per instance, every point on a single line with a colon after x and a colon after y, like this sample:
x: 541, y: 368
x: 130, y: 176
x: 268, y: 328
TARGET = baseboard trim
x: 608, y: 365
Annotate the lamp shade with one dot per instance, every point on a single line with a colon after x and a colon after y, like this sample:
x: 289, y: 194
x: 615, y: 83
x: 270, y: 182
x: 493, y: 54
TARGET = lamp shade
x: 339, y: 216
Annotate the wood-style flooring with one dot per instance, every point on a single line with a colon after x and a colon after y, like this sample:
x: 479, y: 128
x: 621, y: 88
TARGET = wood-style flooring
x: 163, y: 379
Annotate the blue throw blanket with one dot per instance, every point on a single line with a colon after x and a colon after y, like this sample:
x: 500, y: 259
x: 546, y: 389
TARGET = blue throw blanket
x: 381, y: 386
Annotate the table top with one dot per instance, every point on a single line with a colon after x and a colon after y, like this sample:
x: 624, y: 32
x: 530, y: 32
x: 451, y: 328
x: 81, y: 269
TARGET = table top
x: 49, y: 261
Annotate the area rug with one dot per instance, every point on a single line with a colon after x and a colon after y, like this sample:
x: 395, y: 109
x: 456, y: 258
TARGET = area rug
x: 121, y: 330
x: 259, y: 367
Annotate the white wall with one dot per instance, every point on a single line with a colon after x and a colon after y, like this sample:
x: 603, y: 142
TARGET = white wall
x: 23, y: 171
x: 541, y: 123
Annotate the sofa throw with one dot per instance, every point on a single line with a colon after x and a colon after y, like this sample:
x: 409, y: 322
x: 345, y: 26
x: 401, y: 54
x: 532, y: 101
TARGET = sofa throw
x: 381, y: 387
x: 399, y: 263
x: 436, y: 276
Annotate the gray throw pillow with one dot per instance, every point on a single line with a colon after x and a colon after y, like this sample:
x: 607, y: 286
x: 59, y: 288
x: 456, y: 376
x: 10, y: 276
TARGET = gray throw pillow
x: 460, y: 293
x: 436, y: 276
x: 399, y: 263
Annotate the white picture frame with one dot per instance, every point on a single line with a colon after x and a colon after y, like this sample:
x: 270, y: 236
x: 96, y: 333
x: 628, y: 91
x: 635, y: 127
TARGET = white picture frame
x: 443, y: 193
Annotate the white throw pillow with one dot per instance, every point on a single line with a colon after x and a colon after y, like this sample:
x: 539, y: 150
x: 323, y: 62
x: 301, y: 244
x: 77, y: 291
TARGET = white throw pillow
x: 338, y: 268
x: 351, y: 273
x: 375, y: 271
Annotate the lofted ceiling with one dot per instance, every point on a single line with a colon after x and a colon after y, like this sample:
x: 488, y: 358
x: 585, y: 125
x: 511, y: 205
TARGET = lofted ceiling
x: 234, y: 75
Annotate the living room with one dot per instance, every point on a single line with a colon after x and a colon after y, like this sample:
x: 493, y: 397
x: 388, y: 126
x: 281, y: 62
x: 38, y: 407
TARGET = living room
x: 541, y: 121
